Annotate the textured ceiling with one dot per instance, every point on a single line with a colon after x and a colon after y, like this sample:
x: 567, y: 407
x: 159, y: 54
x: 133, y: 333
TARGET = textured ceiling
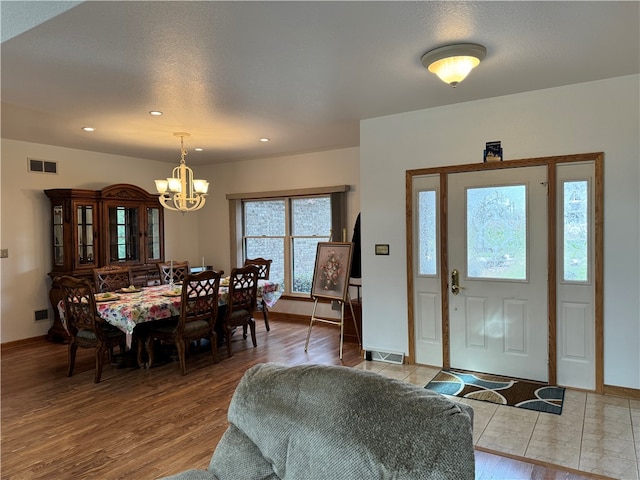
x: 301, y: 73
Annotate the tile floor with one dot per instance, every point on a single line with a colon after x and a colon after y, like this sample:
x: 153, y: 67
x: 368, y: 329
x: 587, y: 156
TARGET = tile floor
x: 595, y: 433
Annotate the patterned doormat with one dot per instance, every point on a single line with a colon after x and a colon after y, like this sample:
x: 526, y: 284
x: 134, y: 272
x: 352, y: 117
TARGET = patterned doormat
x: 501, y: 390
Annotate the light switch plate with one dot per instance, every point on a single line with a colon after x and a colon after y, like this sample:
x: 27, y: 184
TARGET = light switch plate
x: 382, y: 249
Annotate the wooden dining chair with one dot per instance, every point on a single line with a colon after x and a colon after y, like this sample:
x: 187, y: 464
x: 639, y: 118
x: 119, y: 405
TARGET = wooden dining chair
x: 112, y: 278
x: 86, y: 328
x: 264, y: 266
x: 198, y: 313
x: 179, y: 270
x: 241, y: 303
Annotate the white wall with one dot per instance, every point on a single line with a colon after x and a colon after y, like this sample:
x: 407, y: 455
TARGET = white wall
x: 589, y: 117
x: 319, y: 169
x: 25, y: 213
x: 25, y: 223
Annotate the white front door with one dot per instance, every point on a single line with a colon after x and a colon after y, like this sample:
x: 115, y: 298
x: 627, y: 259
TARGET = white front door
x: 497, y: 247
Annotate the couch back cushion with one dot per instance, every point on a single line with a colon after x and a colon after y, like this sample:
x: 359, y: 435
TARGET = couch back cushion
x: 318, y: 422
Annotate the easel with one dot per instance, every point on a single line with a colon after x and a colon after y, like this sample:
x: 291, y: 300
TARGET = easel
x: 334, y: 321
x: 338, y: 294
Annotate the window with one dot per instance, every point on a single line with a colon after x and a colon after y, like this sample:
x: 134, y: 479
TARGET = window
x: 497, y: 232
x: 575, y: 232
x: 427, y: 226
x: 264, y: 233
x: 270, y: 226
x: 286, y: 228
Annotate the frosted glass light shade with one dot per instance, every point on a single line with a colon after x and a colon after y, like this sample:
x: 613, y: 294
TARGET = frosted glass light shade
x: 452, y: 63
x: 453, y: 70
x: 161, y: 186
x: 174, y: 185
x: 200, y: 186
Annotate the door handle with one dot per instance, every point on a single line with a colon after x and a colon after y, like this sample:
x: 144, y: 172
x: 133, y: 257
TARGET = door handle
x: 455, y: 282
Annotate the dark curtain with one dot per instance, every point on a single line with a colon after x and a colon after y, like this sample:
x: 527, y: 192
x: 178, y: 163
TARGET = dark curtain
x: 356, y: 261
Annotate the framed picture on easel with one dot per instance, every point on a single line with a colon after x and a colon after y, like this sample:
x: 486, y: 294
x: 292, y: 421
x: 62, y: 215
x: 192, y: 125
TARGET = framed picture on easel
x: 332, y: 270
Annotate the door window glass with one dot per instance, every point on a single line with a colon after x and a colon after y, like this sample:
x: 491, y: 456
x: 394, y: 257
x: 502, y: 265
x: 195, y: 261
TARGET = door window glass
x: 575, y: 231
x: 497, y: 232
x: 427, y: 232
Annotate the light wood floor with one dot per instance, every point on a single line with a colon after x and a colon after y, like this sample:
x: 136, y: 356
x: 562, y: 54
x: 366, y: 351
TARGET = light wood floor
x: 144, y: 424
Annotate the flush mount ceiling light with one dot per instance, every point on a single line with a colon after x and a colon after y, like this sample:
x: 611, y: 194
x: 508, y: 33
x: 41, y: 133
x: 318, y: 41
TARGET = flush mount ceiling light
x: 181, y: 191
x: 452, y: 63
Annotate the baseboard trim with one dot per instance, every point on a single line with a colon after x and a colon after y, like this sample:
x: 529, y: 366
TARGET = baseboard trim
x: 289, y: 317
x: 23, y: 341
x: 615, y: 391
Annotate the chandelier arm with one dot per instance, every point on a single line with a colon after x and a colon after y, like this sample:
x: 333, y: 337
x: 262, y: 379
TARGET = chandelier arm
x: 163, y: 200
x: 179, y: 202
x: 197, y: 204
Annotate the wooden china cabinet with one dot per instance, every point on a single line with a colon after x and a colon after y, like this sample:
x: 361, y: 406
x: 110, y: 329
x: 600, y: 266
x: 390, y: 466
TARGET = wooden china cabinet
x: 121, y: 224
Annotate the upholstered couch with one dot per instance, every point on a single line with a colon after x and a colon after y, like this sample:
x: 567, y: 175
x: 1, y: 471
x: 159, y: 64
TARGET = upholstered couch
x: 311, y: 422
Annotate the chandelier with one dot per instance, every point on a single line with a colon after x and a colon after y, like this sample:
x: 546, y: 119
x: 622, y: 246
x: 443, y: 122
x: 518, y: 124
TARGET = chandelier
x: 181, y: 192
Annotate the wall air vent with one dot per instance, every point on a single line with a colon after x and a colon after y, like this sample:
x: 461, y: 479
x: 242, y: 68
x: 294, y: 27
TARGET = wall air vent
x: 389, y: 357
x: 42, y: 166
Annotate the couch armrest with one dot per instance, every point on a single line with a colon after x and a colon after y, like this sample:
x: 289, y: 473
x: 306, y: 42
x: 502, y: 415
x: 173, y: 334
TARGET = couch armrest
x: 237, y: 458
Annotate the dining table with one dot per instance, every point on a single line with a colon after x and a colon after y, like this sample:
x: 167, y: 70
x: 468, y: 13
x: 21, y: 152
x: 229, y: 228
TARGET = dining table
x: 126, y: 308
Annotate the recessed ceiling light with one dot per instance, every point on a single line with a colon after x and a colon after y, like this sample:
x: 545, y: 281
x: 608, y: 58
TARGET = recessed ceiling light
x: 88, y: 129
x: 198, y: 149
x: 264, y: 139
x: 155, y: 113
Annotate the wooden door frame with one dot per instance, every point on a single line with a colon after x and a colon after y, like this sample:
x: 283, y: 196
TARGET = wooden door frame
x: 551, y: 164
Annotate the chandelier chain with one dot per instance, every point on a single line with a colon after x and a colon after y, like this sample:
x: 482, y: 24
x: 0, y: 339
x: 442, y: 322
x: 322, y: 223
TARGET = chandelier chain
x: 183, y: 151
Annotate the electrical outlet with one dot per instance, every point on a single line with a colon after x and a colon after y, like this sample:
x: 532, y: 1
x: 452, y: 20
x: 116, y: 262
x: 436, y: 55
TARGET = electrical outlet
x: 4, y: 253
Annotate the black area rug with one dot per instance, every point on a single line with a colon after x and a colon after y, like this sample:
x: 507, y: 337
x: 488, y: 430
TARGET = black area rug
x: 500, y: 390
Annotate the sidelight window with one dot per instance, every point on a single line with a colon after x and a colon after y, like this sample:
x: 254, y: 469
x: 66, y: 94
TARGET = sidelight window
x: 575, y: 231
x: 427, y: 231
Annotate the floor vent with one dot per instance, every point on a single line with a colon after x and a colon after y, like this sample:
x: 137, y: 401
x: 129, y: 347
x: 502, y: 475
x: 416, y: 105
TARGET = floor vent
x: 41, y: 315
x: 389, y: 357
x: 42, y: 166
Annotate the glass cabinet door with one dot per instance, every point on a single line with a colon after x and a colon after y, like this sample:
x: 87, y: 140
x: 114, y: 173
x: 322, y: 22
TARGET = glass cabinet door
x: 85, y: 221
x: 154, y: 234
x: 124, y: 234
x: 58, y: 235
